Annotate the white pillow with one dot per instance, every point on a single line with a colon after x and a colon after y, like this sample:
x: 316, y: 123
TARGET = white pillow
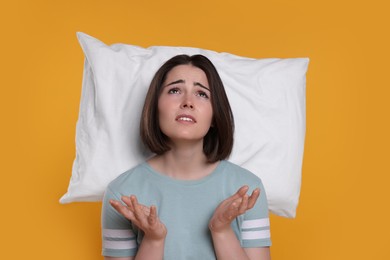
x: 267, y: 97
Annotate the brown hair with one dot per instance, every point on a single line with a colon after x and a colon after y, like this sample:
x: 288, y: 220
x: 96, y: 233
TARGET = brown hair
x: 218, y: 142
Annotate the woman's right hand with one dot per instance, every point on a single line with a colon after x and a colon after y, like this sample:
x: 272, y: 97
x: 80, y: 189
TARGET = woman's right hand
x: 145, y: 218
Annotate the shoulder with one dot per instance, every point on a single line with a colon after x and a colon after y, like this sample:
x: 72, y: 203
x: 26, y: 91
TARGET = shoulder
x: 234, y: 176
x: 237, y: 172
x: 128, y: 178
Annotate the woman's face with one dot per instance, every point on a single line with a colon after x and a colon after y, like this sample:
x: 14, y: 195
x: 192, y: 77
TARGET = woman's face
x: 184, y: 107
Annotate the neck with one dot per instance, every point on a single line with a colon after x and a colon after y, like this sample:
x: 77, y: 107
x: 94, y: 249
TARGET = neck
x: 185, y: 162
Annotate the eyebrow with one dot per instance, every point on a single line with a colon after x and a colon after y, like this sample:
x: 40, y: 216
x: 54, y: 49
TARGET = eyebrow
x: 183, y: 81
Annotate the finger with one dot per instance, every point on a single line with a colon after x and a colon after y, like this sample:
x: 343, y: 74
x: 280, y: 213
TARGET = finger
x: 243, y: 189
x: 238, y: 207
x: 253, y: 198
x: 231, y: 211
x: 153, y: 215
x: 138, y: 212
x: 127, y: 201
x: 134, y: 204
x: 243, y: 205
x: 123, y: 210
x: 145, y: 209
x: 117, y: 205
x: 129, y: 204
x: 227, y: 216
x: 240, y: 192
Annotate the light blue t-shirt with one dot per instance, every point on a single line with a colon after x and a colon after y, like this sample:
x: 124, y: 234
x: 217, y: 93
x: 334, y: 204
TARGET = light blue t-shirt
x: 185, y: 207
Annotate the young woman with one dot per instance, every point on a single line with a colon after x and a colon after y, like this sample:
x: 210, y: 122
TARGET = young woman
x: 186, y: 202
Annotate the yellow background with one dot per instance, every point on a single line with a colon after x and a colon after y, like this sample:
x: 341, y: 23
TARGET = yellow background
x: 343, y: 211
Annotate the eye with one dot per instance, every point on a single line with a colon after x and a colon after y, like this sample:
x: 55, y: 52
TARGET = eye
x: 174, y: 91
x: 202, y: 94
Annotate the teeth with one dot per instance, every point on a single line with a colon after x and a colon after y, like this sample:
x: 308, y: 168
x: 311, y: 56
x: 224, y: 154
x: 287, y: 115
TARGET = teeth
x: 185, y: 119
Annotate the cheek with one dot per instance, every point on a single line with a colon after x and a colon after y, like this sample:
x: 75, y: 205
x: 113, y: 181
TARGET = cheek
x: 162, y: 107
x: 163, y: 114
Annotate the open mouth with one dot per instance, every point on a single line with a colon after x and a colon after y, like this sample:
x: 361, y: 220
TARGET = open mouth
x: 185, y: 118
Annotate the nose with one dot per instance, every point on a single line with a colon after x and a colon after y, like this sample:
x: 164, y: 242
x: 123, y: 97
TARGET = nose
x: 188, y: 106
x: 187, y: 103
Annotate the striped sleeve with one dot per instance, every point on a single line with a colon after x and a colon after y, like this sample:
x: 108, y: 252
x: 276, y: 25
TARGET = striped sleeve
x: 118, y: 237
x: 255, y: 226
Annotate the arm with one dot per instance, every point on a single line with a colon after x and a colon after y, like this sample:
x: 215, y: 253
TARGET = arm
x: 152, y: 246
x: 148, y: 250
x: 225, y: 242
x: 227, y: 246
x: 258, y: 253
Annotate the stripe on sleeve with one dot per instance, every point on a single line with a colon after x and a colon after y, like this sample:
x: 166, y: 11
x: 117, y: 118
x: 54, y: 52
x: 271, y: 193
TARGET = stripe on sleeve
x: 118, y: 233
x: 250, y: 235
x: 113, y: 244
x: 118, y: 239
x: 255, y: 223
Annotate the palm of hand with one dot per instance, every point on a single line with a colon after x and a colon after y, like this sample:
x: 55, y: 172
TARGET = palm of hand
x: 231, y: 208
x: 145, y: 218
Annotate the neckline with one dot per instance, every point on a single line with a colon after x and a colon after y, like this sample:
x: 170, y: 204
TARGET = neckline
x: 161, y: 176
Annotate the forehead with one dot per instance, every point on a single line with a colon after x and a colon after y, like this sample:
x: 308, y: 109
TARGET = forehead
x: 187, y: 72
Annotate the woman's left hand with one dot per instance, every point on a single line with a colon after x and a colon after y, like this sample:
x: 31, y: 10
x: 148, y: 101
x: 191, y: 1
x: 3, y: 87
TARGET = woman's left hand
x: 232, y: 207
